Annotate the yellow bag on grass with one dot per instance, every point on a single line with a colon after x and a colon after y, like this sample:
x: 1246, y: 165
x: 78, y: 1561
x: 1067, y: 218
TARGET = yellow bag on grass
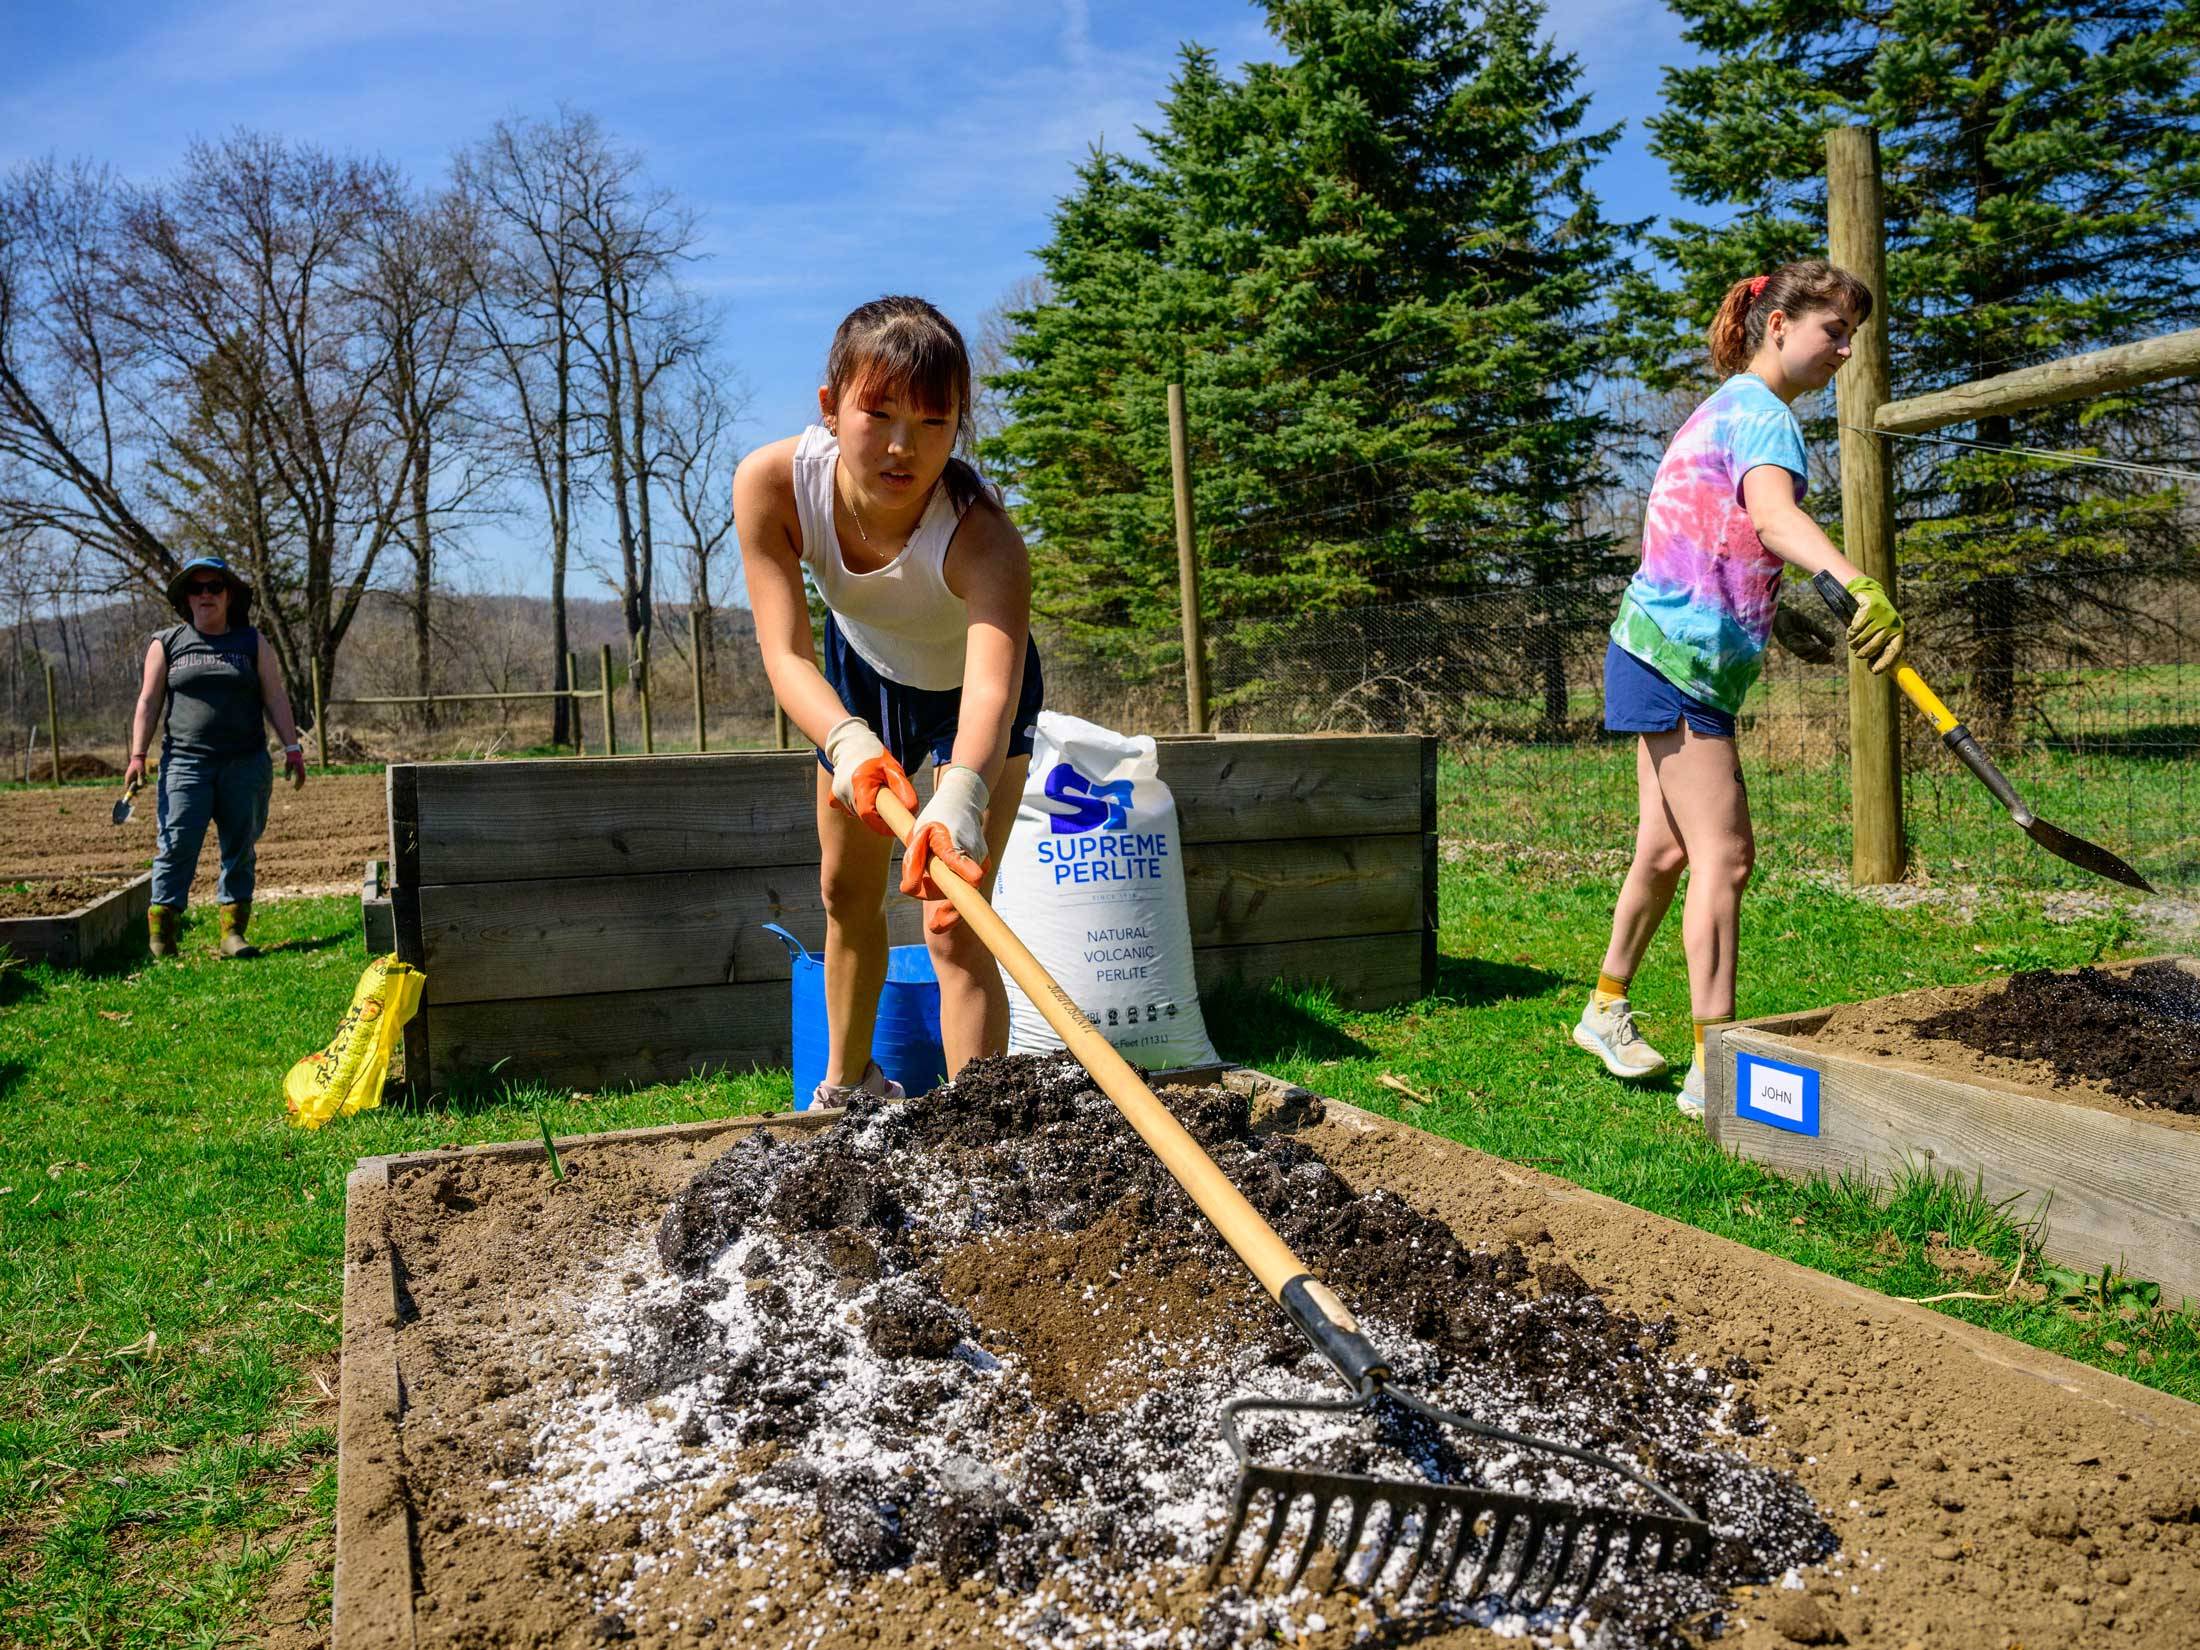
x: 347, y: 1076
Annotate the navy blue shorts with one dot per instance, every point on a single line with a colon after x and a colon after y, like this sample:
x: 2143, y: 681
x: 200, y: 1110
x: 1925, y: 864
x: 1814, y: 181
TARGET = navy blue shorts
x: 1638, y: 700
x: 911, y: 722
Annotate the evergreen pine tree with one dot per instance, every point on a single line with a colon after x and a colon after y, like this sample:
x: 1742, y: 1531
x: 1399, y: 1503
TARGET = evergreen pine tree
x: 1379, y: 272
x: 2040, y: 161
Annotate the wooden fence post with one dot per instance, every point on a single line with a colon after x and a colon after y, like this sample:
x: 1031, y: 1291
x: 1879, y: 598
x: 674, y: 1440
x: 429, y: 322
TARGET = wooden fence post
x: 320, y: 712
x: 610, y: 717
x: 779, y: 726
x: 573, y: 700
x: 641, y: 696
x: 695, y: 669
x: 53, y: 726
x: 1187, y: 565
x: 1856, y: 238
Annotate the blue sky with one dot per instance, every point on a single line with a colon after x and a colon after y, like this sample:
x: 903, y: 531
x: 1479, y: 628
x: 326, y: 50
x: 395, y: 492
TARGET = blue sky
x: 834, y: 151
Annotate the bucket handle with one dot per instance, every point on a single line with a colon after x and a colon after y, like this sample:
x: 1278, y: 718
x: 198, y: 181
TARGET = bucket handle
x: 796, y: 950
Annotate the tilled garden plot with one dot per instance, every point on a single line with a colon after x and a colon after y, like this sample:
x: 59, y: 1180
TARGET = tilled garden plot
x: 949, y: 1371
x: 2125, y: 1037
x: 317, y: 838
x: 54, y: 896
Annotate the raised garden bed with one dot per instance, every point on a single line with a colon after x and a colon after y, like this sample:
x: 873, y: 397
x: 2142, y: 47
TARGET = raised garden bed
x: 948, y: 1374
x: 2074, y: 1097
x: 69, y: 920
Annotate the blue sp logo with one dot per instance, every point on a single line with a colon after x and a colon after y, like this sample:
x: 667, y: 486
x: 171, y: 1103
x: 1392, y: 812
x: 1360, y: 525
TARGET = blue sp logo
x: 1094, y: 805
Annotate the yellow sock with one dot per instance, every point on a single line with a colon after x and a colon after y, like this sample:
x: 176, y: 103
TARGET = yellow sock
x: 1609, y: 990
x: 1715, y: 1020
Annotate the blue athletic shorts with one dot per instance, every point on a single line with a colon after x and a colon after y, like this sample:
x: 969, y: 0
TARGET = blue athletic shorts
x: 913, y: 721
x: 1638, y: 700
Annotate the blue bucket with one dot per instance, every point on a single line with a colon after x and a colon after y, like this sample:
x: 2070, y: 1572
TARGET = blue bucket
x: 906, y: 1040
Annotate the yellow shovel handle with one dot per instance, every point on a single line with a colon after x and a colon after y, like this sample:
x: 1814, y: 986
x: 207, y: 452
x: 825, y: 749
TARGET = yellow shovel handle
x: 1926, y: 700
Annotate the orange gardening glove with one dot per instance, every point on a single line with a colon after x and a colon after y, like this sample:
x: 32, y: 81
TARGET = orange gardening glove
x: 952, y: 827
x: 862, y: 767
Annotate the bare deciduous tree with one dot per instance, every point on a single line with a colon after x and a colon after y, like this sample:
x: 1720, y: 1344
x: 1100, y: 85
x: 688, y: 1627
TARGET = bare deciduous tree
x: 241, y: 282
x: 524, y: 184
x: 698, y: 453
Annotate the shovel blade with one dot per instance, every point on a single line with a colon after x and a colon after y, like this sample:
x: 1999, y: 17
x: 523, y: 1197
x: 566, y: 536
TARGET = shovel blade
x: 2086, y: 856
x: 123, y: 811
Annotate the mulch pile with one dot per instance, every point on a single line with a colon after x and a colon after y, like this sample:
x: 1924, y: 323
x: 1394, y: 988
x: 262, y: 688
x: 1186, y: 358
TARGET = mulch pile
x: 984, y: 1336
x: 2137, y: 1033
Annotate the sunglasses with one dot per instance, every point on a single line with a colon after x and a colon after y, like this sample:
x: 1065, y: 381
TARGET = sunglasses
x: 214, y: 589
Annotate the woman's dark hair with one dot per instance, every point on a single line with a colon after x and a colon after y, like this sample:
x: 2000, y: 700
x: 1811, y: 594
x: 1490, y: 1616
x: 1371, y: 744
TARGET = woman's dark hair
x: 1739, y: 327
x: 905, y: 348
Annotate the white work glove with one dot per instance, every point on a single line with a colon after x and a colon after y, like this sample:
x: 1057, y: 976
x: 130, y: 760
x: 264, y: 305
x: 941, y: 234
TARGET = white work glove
x: 862, y: 767
x: 952, y: 827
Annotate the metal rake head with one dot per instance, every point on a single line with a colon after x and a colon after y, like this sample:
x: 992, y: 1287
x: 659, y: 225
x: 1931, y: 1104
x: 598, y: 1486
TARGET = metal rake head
x: 1530, y: 1551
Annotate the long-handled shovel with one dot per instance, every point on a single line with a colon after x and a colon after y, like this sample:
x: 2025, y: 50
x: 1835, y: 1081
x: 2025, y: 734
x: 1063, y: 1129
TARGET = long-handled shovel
x: 1529, y: 1549
x: 2087, y: 856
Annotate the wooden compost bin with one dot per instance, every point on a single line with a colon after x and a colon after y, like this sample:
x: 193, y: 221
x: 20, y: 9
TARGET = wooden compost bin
x: 2108, y: 1187
x: 597, y: 922
x: 72, y: 940
x: 1949, y: 1462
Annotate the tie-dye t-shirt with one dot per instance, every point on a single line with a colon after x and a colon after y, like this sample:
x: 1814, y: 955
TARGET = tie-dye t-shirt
x: 1699, y: 608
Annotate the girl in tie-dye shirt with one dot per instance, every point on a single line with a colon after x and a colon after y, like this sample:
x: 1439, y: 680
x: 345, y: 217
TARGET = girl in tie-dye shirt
x: 1725, y: 515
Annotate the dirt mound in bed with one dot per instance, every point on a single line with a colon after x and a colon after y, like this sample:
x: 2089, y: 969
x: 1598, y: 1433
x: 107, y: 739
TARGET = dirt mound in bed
x: 983, y: 1338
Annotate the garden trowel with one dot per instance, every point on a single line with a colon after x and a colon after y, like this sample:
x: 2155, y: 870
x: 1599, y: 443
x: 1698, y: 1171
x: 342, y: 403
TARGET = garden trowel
x: 2087, y: 856
x: 123, y: 808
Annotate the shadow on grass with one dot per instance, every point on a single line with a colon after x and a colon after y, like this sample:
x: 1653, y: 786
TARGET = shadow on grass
x: 1476, y: 982
x: 12, y: 1072
x: 16, y: 984
x: 1251, y: 1024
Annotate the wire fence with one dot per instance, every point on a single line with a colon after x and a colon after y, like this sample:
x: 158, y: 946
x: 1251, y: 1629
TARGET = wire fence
x: 2085, y: 685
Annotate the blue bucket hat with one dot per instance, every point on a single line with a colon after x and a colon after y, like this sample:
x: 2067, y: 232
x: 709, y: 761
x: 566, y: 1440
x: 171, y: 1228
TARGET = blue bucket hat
x: 240, y: 593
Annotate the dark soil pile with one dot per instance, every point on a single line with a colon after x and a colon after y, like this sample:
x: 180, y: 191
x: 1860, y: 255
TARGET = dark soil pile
x: 985, y: 1335
x: 54, y: 896
x: 2137, y: 1033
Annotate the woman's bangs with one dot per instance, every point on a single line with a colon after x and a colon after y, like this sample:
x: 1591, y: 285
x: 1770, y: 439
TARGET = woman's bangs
x: 923, y: 371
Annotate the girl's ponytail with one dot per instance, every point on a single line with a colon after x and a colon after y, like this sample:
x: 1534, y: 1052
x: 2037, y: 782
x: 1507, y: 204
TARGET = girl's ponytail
x: 1730, y: 349
x: 1738, y: 329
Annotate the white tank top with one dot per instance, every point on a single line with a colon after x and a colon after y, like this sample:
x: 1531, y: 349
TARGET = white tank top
x: 902, y: 620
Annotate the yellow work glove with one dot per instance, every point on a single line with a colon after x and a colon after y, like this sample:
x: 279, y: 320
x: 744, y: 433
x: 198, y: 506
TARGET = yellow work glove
x: 1875, y: 633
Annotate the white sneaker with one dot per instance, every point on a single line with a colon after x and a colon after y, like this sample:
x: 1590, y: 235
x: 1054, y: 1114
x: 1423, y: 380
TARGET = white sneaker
x: 875, y: 1083
x: 1690, y: 1098
x: 1609, y: 1033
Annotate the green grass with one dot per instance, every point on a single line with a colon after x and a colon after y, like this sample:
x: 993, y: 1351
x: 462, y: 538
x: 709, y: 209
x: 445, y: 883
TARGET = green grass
x: 1520, y: 945
x: 155, y: 1496
x: 180, y: 1490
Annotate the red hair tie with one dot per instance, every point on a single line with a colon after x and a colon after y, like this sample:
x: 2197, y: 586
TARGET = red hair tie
x: 1757, y: 287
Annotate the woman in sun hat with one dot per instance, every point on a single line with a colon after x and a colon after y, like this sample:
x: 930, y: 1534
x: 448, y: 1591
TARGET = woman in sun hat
x: 216, y: 677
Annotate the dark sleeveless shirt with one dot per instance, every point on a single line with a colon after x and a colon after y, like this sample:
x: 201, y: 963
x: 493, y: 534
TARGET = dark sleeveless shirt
x: 214, y: 706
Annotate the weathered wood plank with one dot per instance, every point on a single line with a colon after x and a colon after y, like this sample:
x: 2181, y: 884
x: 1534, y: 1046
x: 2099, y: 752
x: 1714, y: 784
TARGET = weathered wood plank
x: 374, y: 1564
x: 454, y: 822
x: 487, y: 941
x: 484, y: 941
x: 79, y: 936
x: 661, y: 1036
x: 1366, y: 972
x: 614, y: 1037
x: 2111, y: 1189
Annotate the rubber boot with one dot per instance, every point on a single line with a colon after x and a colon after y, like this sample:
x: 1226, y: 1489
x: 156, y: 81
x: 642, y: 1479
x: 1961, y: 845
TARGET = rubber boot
x: 161, y: 923
x: 234, y: 920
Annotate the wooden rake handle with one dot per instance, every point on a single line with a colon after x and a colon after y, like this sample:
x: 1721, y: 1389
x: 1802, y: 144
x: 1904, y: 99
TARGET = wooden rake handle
x: 1320, y: 1315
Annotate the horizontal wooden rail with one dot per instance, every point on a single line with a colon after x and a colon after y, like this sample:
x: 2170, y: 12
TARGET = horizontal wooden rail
x: 447, y: 698
x: 2098, y: 372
